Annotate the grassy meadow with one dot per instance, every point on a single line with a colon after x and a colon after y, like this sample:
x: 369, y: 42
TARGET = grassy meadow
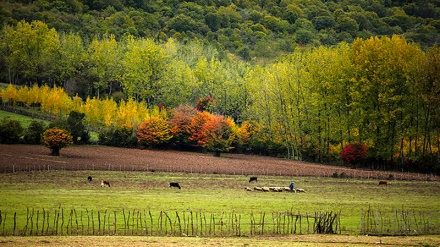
x: 24, y: 120
x: 210, y: 194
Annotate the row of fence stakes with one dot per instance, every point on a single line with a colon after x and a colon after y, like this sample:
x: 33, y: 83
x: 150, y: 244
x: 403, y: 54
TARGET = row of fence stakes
x: 62, y: 221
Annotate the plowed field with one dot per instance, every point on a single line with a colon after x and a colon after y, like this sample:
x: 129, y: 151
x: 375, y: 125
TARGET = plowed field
x: 31, y: 157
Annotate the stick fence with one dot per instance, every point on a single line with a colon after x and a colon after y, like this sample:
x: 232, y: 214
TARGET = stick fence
x: 72, y: 222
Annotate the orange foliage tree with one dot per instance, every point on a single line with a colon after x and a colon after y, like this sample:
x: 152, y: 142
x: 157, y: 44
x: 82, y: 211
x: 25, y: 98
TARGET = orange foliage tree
x: 180, y: 120
x: 55, y: 139
x: 194, y: 129
x: 154, y: 132
x: 217, y: 134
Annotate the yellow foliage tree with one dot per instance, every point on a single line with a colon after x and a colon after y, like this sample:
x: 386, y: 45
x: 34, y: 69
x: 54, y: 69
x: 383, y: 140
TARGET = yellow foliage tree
x: 10, y: 94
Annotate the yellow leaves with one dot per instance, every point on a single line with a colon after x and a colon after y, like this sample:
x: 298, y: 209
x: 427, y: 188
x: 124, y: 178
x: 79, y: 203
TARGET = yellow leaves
x: 10, y: 93
x: 57, y: 138
x: 154, y: 131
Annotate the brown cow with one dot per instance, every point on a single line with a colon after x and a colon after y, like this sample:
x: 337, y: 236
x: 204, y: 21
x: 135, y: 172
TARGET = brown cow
x: 104, y: 183
x: 383, y: 182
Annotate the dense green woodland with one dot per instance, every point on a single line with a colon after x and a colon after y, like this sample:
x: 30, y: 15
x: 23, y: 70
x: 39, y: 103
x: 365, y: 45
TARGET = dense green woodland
x: 305, y: 78
x: 254, y: 30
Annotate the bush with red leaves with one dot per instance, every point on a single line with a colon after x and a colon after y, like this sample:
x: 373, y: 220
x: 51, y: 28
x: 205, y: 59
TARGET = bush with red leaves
x: 354, y: 153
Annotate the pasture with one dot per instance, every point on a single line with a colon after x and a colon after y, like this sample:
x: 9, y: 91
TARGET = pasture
x: 24, y: 120
x: 31, y: 181
x: 210, y: 194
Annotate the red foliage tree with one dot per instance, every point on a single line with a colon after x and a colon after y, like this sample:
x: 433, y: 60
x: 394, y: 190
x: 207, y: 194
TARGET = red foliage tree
x: 217, y: 134
x: 179, y: 122
x: 154, y: 132
x: 55, y: 139
x: 354, y: 153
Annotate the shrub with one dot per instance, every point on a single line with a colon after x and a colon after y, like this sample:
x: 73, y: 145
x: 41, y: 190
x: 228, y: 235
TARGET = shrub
x: 10, y: 131
x: 118, y: 137
x: 34, y: 132
x: 354, y: 153
x: 76, y: 127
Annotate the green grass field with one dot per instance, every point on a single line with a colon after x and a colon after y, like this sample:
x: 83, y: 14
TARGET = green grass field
x: 210, y: 194
x: 24, y: 120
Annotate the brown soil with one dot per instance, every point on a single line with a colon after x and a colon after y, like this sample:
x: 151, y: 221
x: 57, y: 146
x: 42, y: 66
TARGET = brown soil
x: 30, y: 157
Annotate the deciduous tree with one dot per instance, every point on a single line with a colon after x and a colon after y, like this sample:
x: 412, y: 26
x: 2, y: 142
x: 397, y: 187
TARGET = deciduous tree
x: 56, y: 139
x: 154, y: 132
x: 217, y: 134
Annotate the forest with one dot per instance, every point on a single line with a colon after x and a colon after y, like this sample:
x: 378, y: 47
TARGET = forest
x: 295, y: 80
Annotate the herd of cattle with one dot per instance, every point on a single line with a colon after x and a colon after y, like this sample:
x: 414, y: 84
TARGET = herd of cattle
x: 251, y: 179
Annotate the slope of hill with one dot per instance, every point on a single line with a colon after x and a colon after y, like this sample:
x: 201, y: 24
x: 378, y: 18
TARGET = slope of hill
x: 31, y: 157
x: 247, y: 28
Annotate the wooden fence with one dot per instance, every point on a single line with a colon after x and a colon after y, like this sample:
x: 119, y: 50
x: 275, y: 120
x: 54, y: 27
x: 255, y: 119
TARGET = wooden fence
x: 399, y: 222
x: 143, y: 222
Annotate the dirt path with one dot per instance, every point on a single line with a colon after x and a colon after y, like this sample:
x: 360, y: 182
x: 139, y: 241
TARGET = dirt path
x: 302, y: 240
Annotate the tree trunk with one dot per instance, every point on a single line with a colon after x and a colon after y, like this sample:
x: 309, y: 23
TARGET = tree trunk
x: 55, y: 151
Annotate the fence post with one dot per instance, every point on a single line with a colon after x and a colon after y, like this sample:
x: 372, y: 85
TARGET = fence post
x: 15, y: 223
x: 114, y: 223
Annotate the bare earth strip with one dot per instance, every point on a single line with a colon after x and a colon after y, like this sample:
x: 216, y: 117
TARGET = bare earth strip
x: 302, y: 240
x: 31, y: 157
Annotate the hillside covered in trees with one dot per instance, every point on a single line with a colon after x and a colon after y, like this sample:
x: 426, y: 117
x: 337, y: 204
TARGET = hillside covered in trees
x: 325, y: 81
x: 254, y: 30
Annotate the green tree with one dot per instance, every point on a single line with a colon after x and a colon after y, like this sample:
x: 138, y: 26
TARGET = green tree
x: 77, y: 128
x: 10, y: 131
x: 73, y: 60
x: 144, y: 64
x: 105, y: 63
x: 34, y: 132
x: 31, y: 52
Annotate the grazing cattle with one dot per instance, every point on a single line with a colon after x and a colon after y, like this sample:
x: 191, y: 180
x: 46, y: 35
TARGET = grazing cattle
x: 175, y: 185
x: 383, y: 182
x: 89, y: 178
x: 252, y: 179
x: 104, y: 183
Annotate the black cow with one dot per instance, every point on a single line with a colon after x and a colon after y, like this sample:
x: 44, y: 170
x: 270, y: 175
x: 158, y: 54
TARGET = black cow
x: 89, y: 178
x: 253, y: 179
x: 175, y: 185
